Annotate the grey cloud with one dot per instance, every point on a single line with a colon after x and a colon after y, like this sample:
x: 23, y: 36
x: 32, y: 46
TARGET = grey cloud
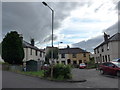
x: 49, y: 38
x: 33, y: 20
x: 112, y: 29
x: 90, y: 44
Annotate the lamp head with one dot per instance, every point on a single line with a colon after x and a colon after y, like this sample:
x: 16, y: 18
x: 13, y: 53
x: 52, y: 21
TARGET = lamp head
x: 44, y: 3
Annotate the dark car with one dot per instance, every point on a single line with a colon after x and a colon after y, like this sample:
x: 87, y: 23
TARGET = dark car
x: 112, y: 68
x: 45, y: 67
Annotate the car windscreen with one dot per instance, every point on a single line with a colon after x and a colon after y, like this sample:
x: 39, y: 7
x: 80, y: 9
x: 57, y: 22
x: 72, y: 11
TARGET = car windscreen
x: 82, y: 64
x: 116, y: 60
x: 117, y: 64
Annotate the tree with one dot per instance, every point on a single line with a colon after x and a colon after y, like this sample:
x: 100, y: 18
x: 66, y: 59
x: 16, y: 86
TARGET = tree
x: 49, y: 53
x: 12, y: 48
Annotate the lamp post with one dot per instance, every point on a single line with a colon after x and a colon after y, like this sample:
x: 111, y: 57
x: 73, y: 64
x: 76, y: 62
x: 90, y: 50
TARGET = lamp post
x: 52, y: 35
x: 52, y: 18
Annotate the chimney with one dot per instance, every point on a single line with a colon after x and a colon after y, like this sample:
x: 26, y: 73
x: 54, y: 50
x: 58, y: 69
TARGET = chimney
x: 32, y: 42
x: 106, y: 37
x: 68, y: 46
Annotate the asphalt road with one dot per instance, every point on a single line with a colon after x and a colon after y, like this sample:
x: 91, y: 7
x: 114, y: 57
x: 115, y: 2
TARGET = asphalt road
x: 94, y: 80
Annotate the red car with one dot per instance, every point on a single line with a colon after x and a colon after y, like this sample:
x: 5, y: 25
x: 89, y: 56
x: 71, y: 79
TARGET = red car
x: 82, y: 66
x: 112, y: 68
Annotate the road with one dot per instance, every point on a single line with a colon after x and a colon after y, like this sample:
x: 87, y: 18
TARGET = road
x: 94, y: 80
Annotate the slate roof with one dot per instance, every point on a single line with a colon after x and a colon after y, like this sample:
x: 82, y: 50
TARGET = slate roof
x: 71, y: 51
x: 28, y: 45
x: 115, y: 37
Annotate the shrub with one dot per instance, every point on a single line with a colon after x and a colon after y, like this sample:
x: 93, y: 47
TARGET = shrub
x: 61, y: 71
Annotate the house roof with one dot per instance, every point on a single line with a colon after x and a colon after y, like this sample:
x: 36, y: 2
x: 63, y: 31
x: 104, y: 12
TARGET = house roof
x: 28, y: 45
x: 115, y: 37
x: 71, y: 51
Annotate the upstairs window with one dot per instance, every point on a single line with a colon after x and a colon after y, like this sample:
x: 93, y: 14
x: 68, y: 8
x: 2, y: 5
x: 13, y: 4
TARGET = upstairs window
x: 74, y: 55
x: 95, y: 51
x: 62, y: 55
x: 102, y: 49
x: 98, y: 50
x: 31, y: 51
x: 107, y: 46
x: 36, y: 52
x: 40, y: 54
x: 84, y: 54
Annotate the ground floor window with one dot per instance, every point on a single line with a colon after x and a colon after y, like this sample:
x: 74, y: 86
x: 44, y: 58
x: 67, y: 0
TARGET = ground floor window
x: 63, y: 62
x: 103, y: 59
x: 109, y: 57
x: 74, y: 62
x: 106, y: 58
x: 57, y: 61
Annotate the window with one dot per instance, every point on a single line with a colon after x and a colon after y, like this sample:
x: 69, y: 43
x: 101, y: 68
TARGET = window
x: 102, y: 49
x: 36, y: 52
x: 84, y: 54
x: 98, y: 50
x: 107, y: 46
x: 40, y: 54
x: 74, y: 55
x: 103, y: 59
x: 62, y: 55
x: 31, y: 51
x: 63, y: 62
x: 109, y: 57
x: 74, y: 62
x: 106, y: 58
x: 95, y: 51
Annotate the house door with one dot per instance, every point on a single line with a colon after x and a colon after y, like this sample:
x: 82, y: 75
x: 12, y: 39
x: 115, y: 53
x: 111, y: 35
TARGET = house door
x: 69, y: 61
x: 80, y: 61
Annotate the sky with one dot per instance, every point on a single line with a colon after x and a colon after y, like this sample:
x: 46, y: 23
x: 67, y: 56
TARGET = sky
x: 77, y: 24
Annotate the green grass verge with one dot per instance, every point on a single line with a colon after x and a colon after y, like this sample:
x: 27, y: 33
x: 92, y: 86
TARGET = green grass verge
x: 1, y: 62
x: 39, y: 73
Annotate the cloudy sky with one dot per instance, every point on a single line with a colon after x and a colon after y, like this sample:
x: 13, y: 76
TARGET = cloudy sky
x: 78, y: 24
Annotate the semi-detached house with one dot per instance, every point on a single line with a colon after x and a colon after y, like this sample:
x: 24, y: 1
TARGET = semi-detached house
x: 32, y: 52
x: 109, y: 49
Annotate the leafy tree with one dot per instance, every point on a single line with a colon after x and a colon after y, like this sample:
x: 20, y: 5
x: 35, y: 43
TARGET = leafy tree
x: 12, y: 48
x: 53, y: 50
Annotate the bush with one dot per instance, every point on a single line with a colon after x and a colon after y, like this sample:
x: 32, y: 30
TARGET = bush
x: 61, y: 71
x: 91, y: 64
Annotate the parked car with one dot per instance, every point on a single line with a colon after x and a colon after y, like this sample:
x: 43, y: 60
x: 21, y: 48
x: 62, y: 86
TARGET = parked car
x: 112, y: 68
x: 82, y: 66
x: 45, y: 67
x: 116, y: 60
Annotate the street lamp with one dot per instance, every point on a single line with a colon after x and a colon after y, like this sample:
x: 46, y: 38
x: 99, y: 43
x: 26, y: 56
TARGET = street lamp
x: 52, y: 26
x: 52, y: 18
x: 52, y: 34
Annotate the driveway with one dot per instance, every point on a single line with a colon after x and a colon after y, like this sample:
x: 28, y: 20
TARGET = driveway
x: 95, y: 79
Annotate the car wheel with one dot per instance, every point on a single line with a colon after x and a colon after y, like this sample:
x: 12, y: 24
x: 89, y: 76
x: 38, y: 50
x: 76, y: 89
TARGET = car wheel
x: 101, y: 71
x: 118, y: 73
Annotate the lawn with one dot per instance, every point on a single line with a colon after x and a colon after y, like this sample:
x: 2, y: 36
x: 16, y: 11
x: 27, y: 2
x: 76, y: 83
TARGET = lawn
x: 39, y: 73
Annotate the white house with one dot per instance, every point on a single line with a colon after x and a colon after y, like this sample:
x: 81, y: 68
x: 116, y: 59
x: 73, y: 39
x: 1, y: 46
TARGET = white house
x: 109, y: 49
x: 32, y: 52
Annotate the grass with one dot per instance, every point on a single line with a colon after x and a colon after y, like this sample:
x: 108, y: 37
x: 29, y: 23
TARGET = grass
x: 39, y: 73
x: 1, y: 62
x: 91, y: 66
